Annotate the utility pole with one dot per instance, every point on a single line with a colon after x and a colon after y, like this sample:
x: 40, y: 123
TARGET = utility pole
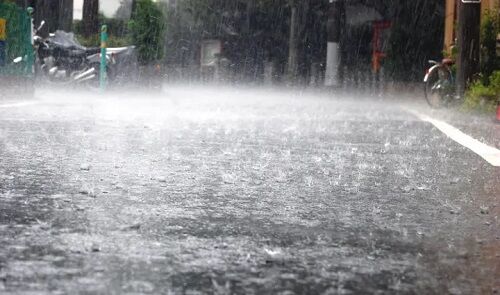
x: 293, y: 52
x: 299, y: 10
x: 469, y: 22
x: 334, y: 29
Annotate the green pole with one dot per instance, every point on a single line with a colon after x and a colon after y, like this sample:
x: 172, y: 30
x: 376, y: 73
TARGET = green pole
x: 104, y: 45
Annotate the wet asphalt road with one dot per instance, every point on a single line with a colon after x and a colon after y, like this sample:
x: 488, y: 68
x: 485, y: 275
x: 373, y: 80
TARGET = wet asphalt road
x: 240, y: 192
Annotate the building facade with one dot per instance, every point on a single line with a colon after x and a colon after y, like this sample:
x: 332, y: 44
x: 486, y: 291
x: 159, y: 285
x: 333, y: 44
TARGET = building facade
x: 452, y: 15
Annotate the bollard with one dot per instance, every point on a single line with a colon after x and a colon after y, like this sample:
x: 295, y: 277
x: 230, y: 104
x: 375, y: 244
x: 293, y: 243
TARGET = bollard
x: 104, y: 45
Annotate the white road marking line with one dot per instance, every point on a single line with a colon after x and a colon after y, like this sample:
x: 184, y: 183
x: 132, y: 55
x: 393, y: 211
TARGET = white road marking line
x: 18, y: 104
x: 488, y: 153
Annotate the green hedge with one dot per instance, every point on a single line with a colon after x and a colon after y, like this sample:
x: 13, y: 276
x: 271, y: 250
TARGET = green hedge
x: 484, y: 94
x: 147, y: 29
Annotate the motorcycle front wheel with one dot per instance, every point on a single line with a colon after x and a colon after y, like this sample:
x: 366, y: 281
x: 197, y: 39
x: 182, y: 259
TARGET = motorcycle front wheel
x: 43, y: 78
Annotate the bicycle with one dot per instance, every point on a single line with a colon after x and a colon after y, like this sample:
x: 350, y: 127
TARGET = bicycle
x: 439, y: 83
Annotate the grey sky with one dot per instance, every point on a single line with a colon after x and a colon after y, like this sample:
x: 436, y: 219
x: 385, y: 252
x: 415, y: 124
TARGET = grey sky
x: 108, y: 7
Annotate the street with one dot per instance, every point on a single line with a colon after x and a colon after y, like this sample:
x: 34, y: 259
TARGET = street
x: 240, y: 191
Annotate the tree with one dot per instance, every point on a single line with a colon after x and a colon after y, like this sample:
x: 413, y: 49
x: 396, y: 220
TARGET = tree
x: 65, y: 19
x: 57, y: 14
x: 490, y: 28
x: 147, y: 29
x: 90, y: 18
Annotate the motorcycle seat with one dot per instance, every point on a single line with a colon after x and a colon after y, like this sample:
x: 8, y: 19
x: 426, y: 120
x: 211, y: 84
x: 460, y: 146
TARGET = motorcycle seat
x: 92, y: 50
x: 75, y: 52
x: 82, y: 52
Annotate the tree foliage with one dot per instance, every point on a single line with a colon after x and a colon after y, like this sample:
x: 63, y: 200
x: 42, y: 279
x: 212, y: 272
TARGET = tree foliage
x: 147, y: 30
x: 490, y: 29
x: 117, y: 32
x: 484, y: 94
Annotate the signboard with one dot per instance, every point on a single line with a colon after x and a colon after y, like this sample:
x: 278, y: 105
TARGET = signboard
x: 3, y: 29
x: 3, y: 37
x: 210, y: 50
x: 379, y: 42
x: 15, y: 41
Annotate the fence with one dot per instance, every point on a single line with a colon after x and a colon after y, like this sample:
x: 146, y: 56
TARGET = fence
x: 15, y: 41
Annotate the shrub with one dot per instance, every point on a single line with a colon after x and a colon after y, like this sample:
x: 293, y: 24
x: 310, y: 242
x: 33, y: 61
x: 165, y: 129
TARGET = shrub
x: 484, y: 94
x: 116, y: 27
x: 117, y: 31
x: 490, y: 28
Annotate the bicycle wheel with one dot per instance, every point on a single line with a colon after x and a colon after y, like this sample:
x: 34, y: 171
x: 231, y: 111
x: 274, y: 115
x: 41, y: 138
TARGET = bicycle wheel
x: 438, y: 87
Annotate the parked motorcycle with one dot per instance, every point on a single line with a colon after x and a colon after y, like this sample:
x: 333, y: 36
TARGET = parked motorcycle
x: 61, y: 59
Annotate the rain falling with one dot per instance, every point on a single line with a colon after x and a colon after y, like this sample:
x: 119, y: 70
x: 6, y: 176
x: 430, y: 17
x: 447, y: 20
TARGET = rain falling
x: 249, y: 147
